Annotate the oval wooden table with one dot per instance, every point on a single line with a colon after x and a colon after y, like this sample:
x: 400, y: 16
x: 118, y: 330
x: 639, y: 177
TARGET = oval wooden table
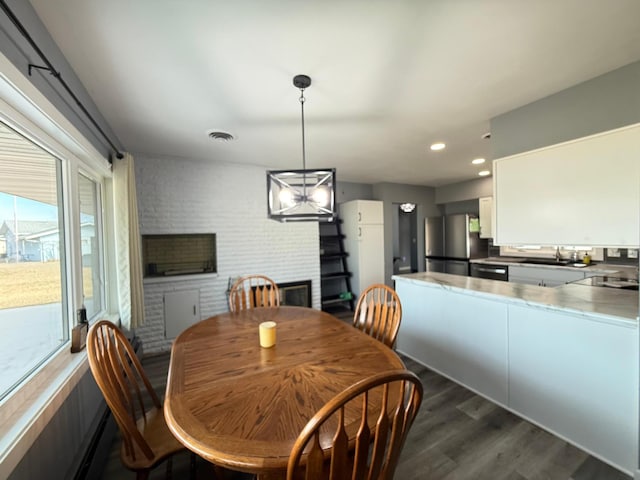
x: 241, y: 406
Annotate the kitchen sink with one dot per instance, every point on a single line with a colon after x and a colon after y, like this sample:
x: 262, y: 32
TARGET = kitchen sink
x: 547, y: 261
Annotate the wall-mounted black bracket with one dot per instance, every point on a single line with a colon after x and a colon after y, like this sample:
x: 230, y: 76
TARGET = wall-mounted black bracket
x: 40, y: 67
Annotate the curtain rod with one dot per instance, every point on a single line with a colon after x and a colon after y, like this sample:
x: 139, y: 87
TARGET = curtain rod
x: 55, y: 73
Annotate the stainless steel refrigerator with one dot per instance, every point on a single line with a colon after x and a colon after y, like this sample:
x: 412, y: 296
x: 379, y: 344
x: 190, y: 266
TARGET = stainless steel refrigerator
x: 451, y: 241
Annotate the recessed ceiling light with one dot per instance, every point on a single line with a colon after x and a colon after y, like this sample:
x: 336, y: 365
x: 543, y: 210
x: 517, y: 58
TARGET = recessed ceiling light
x: 484, y: 173
x: 477, y: 161
x: 438, y: 146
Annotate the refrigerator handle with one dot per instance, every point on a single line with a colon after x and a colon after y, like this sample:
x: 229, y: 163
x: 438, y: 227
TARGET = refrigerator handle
x: 468, y: 235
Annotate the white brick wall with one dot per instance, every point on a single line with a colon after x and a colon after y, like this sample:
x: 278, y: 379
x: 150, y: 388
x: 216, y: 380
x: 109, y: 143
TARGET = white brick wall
x: 182, y: 196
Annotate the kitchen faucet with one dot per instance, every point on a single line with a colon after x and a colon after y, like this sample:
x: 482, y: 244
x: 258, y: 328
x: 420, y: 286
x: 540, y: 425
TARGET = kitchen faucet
x: 558, y: 256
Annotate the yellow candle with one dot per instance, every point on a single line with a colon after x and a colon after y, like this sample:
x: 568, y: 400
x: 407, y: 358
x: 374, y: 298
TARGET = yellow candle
x: 267, y: 334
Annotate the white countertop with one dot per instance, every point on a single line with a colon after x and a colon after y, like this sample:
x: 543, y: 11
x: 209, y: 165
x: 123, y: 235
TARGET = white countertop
x: 605, y: 304
x: 623, y: 271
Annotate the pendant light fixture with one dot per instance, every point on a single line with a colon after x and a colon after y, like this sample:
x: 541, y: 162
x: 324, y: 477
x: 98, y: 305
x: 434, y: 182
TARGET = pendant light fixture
x: 301, y: 195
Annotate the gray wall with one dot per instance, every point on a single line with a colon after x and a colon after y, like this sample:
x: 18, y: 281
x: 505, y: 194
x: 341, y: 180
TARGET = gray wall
x: 603, y: 103
x: 469, y: 190
x: 392, y: 194
x: 21, y: 54
x: 347, y: 191
x: 466, y: 206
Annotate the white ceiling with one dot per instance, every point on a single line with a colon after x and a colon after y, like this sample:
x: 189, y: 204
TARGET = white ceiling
x: 389, y: 77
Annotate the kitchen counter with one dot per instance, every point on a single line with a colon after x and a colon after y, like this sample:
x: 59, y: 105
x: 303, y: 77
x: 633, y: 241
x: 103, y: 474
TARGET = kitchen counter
x: 607, y: 304
x: 564, y: 358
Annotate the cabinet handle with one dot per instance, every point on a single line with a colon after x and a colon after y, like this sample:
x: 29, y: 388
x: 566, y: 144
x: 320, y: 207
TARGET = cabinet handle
x: 493, y: 270
x: 359, y: 216
x: 194, y: 310
x: 359, y: 231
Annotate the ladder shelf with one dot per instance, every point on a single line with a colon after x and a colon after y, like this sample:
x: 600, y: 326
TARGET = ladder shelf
x: 335, y: 276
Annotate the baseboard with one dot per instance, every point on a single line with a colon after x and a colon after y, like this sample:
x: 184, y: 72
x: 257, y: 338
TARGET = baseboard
x: 97, y: 453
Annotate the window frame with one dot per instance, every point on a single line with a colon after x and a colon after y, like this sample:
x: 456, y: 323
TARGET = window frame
x: 25, y: 412
x: 100, y: 184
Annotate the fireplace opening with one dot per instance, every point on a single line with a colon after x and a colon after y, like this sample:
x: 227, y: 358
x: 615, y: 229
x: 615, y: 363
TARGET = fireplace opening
x: 295, y: 293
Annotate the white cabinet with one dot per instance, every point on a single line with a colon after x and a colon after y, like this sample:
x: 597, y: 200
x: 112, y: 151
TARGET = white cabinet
x: 486, y: 214
x: 364, y: 241
x: 543, y: 277
x: 576, y: 377
x: 363, y: 211
x: 582, y: 192
x: 181, y: 310
x: 463, y: 337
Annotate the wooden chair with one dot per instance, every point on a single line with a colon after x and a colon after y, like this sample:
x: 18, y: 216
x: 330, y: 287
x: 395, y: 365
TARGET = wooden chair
x: 323, y: 451
x: 378, y: 313
x: 146, y: 438
x: 253, y: 291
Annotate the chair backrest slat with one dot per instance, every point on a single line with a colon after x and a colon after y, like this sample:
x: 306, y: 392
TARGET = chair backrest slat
x: 315, y: 459
x: 340, y: 458
x: 363, y: 440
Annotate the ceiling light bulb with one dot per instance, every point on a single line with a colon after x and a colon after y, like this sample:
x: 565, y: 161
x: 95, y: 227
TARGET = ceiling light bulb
x: 438, y: 146
x: 477, y: 161
x: 407, y: 207
x: 484, y: 173
x: 287, y: 197
x: 320, y: 196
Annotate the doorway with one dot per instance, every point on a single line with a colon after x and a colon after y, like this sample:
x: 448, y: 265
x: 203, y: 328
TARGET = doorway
x: 405, y: 238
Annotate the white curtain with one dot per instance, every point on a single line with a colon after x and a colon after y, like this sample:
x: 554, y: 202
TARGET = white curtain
x: 128, y: 244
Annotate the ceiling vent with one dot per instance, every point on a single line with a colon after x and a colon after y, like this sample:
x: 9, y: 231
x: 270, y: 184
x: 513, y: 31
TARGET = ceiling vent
x: 220, y: 136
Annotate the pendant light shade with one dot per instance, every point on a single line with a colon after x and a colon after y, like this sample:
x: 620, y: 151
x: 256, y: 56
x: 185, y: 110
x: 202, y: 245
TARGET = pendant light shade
x: 296, y: 195
x: 302, y: 195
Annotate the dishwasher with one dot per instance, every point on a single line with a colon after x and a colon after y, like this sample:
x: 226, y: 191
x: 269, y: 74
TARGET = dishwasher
x: 490, y: 271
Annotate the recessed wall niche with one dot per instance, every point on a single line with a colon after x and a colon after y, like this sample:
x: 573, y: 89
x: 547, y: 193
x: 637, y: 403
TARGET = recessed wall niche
x: 179, y: 254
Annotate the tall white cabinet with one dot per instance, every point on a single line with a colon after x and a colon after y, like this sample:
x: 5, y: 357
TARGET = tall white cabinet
x: 363, y: 222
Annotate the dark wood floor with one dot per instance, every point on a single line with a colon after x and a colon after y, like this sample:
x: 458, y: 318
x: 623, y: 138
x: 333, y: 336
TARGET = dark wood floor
x: 457, y: 435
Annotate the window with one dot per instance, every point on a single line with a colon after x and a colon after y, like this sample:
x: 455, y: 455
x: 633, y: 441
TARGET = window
x: 37, y: 264
x: 540, y: 251
x: 91, y: 246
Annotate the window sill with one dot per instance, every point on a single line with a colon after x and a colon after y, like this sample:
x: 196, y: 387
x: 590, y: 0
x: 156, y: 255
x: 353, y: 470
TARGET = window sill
x: 26, y: 412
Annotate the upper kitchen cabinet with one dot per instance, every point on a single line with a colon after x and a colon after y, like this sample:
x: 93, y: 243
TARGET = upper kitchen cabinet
x: 485, y: 205
x: 363, y: 211
x: 581, y: 192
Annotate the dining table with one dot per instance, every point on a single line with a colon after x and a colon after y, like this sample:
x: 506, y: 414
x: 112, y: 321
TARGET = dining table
x: 241, y: 406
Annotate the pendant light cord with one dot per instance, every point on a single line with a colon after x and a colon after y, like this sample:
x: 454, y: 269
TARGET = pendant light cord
x: 304, y: 157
